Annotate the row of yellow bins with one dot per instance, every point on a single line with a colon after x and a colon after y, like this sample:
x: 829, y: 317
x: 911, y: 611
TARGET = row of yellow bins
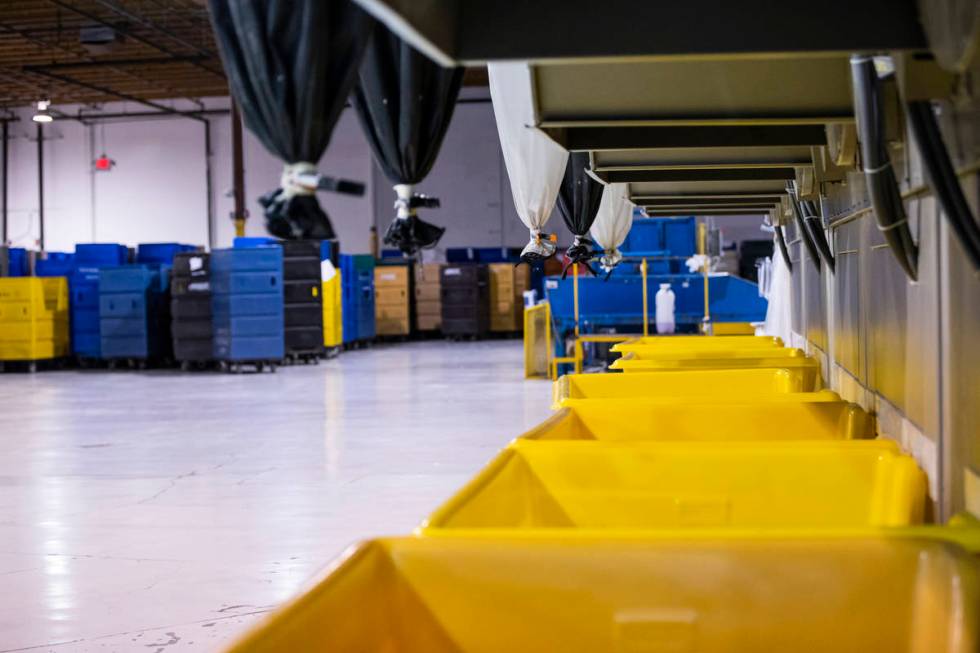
x: 719, y: 503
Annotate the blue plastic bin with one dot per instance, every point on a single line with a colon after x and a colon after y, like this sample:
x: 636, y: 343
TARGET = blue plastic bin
x: 17, y: 262
x: 160, y: 252
x: 94, y: 255
x: 247, y: 303
x: 249, y: 242
x: 357, y: 295
x: 55, y: 264
x: 134, y: 319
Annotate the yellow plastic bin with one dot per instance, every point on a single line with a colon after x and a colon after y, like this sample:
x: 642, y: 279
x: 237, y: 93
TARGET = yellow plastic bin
x: 664, y: 485
x: 731, y: 340
x: 33, y: 318
x: 827, y: 594
x: 638, y: 420
x: 714, y: 384
x: 794, y: 361
x: 665, y: 344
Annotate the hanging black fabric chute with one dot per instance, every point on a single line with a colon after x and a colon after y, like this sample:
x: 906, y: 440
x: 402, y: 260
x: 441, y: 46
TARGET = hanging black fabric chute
x: 578, y: 203
x: 404, y: 102
x: 290, y: 66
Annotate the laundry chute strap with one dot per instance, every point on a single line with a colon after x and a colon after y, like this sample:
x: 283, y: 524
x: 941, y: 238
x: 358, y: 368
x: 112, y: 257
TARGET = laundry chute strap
x: 580, y: 252
x: 540, y: 247
x: 290, y: 67
x: 535, y: 163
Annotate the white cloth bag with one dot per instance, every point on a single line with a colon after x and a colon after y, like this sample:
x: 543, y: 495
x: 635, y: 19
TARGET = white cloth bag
x: 535, y: 163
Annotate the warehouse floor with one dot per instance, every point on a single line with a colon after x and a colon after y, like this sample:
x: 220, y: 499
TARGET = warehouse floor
x: 160, y: 511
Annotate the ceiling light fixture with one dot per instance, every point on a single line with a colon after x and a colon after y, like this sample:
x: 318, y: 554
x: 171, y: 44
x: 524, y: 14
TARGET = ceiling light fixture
x: 42, y: 114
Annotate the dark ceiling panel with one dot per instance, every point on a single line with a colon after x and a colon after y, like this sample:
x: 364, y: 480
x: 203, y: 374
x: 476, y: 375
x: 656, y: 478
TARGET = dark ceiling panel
x: 160, y: 49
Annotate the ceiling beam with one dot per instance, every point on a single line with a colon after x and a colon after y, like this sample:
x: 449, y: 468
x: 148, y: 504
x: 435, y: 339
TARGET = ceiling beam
x: 629, y: 138
x: 478, y: 31
x: 734, y: 174
x: 109, y: 63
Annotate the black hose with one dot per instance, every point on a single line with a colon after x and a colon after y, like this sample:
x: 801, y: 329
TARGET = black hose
x: 943, y: 180
x: 815, y: 224
x: 886, y: 200
x: 811, y: 248
x: 781, y: 241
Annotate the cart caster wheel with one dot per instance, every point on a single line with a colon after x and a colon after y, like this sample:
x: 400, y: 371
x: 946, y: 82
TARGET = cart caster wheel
x: 185, y: 366
x: 32, y: 367
x: 259, y: 367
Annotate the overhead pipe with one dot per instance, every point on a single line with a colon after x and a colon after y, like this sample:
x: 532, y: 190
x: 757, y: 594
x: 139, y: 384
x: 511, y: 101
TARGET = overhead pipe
x: 208, y: 182
x: 886, y: 200
x: 783, y: 249
x: 240, y: 213
x: 943, y: 179
x: 6, y: 178
x: 811, y: 247
x: 40, y: 185
x: 814, y: 222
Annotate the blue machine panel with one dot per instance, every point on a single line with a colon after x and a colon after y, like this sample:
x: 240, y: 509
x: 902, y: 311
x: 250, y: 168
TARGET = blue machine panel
x: 618, y: 301
x: 680, y: 236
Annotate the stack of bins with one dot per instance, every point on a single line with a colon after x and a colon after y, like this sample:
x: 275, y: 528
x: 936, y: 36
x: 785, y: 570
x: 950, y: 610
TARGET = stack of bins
x: 392, y: 305
x: 331, y: 296
x: 247, y: 307
x: 14, y: 262
x: 465, y: 290
x: 690, y: 510
x: 357, y: 279
x: 190, y: 309
x: 134, y: 313
x: 428, y: 297
x: 33, y: 319
x: 83, y: 288
x: 302, y: 294
x: 507, y: 285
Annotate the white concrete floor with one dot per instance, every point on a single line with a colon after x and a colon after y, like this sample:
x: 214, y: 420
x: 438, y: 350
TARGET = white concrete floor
x: 160, y: 511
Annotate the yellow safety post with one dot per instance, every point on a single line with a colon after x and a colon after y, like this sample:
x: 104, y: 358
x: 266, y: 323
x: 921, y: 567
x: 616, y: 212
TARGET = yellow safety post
x: 646, y: 319
x: 703, y: 250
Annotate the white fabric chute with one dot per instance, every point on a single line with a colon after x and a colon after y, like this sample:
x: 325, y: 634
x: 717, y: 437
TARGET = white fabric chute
x: 535, y: 163
x: 612, y: 224
x: 779, y: 312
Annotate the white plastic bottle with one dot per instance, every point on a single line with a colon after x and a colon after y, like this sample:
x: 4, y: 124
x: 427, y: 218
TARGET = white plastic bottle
x: 665, y: 309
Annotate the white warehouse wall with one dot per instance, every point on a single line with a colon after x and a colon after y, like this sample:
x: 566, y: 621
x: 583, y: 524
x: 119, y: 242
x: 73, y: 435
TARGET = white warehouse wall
x: 158, y: 189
